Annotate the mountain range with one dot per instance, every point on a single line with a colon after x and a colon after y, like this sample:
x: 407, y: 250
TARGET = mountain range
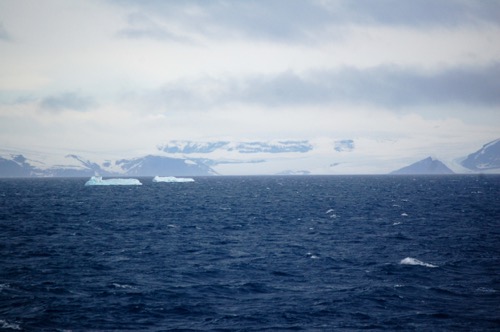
x: 19, y: 166
x: 190, y: 158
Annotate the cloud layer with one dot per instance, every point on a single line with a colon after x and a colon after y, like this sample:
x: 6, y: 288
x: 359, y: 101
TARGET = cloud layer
x: 285, y: 20
x: 398, y: 79
x: 389, y: 87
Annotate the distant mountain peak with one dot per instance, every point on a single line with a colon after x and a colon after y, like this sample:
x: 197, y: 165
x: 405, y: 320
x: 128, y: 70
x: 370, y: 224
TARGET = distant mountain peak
x: 428, y: 165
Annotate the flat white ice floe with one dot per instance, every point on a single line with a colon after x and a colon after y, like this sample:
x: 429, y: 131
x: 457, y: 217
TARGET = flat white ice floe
x: 413, y: 261
x: 171, y: 179
x: 98, y: 181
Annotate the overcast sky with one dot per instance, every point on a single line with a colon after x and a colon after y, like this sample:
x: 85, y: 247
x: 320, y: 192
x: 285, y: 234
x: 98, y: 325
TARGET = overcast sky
x: 403, y: 79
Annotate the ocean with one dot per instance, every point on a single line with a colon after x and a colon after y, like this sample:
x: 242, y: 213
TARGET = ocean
x: 305, y: 253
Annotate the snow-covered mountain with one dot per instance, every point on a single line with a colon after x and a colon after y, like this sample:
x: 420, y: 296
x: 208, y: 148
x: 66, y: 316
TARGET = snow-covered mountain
x: 159, y: 165
x: 191, y: 147
x: 425, y: 166
x: 197, y: 158
x: 485, y: 159
x: 17, y: 165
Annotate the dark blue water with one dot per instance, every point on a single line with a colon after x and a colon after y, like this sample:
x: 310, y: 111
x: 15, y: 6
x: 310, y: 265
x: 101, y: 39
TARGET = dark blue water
x: 251, y: 254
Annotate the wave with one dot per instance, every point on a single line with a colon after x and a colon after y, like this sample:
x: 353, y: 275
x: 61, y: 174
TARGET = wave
x: 6, y: 325
x: 414, y: 261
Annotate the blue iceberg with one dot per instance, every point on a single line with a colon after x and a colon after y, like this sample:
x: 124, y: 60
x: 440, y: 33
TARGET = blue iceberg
x: 98, y: 181
x: 171, y: 179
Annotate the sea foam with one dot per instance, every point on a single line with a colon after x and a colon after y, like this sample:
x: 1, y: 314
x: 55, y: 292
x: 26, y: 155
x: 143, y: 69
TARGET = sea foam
x: 98, y: 181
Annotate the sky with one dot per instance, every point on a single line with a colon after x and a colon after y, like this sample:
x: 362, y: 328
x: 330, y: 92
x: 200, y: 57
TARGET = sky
x: 117, y: 78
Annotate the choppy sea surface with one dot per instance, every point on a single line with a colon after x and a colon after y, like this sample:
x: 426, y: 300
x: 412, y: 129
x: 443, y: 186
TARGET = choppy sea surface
x: 316, y: 253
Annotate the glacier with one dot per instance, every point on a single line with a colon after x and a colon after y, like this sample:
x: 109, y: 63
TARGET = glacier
x: 171, y: 179
x: 98, y: 181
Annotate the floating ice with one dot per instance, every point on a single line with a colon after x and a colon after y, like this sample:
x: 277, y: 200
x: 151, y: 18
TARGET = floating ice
x: 413, y: 261
x: 171, y: 179
x: 98, y: 181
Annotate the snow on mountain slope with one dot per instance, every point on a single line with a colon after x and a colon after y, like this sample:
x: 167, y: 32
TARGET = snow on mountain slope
x: 485, y: 159
x: 16, y: 165
x: 279, y: 146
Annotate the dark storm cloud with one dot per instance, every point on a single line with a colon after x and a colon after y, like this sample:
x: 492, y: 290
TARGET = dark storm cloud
x: 67, y: 101
x: 385, y: 86
x: 289, y: 20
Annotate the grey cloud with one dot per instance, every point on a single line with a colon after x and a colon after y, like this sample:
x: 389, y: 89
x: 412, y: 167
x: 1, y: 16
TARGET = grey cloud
x: 289, y: 20
x: 396, y: 87
x: 4, y: 35
x: 391, y: 86
x: 277, y: 20
x: 385, y: 86
x: 142, y: 26
x: 285, y: 88
x: 67, y: 101
x: 422, y: 12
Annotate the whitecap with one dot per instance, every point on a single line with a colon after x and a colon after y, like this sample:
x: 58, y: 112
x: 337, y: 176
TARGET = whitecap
x: 121, y: 285
x: 404, y: 214
x: 485, y: 290
x: 331, y: 212
x: 6, y: 325
x: 414, y: 261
